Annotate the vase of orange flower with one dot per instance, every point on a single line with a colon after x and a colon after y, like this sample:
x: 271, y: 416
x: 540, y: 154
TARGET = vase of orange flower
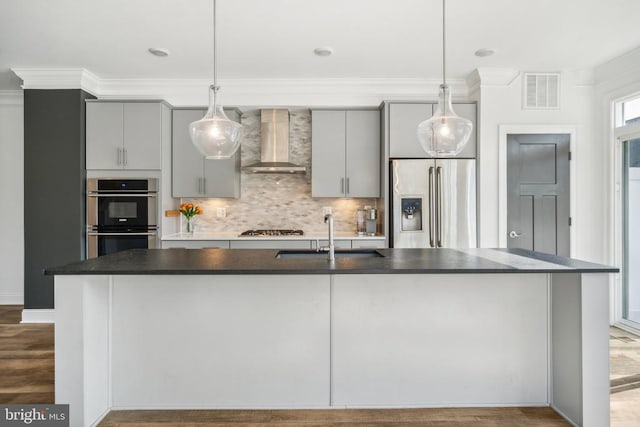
x: 189, y: 210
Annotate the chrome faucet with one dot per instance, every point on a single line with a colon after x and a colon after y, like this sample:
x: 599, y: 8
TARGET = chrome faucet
x: 328, y: 218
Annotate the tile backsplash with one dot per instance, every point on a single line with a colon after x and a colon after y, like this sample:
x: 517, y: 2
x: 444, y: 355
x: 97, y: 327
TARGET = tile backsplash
x: 277, y: 200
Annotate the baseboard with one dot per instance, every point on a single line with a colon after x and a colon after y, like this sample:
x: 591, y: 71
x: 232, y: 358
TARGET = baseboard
x: 38, y: 316
x: 11, y: 299
x: 555, y: 408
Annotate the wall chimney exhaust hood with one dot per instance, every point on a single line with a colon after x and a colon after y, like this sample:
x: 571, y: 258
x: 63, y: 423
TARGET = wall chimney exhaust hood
x: 274, y: 145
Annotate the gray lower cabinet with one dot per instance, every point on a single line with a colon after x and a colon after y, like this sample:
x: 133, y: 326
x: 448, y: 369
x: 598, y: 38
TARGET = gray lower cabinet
x: 368, y: 244
x: 404, y: 118
x: 195, y: 244
x: 324, y: 243
x: 270, y: 244
x: 124, y: 135
x: 345, y: 153
x: 192, y: 174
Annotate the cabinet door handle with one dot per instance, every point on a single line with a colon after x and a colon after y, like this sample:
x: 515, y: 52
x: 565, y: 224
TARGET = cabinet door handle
x: 347, y: 185
x: 119, y: 157
x: 124, y: 156
x: 199, y: 185
x: 341, y: 185
x: 204, y: 185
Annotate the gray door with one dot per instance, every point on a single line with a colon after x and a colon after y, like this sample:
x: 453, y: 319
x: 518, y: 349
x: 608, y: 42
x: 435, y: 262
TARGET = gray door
x: 538, y: 192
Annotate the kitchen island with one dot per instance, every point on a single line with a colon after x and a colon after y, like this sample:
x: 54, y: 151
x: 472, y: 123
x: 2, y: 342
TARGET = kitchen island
x: 216, y: 328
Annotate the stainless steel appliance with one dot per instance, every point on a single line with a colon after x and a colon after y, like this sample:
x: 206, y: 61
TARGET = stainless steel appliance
x: 371, y: 220
x: 271, y: 233
x: 121, y: 214
x: 434, y: 203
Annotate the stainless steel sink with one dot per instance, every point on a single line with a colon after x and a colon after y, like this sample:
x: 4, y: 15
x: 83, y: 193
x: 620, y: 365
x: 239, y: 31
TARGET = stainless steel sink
x: 340, y: 253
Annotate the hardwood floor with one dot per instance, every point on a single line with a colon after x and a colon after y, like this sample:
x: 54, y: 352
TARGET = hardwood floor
x: 477, y: 417
x: 26, y: 359
x: 27, y: 376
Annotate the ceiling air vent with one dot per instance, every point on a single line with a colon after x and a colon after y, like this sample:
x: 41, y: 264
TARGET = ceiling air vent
x: 541, y: 91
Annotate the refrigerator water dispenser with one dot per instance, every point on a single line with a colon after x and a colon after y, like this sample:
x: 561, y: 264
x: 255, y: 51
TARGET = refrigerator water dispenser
x: 411, y: 213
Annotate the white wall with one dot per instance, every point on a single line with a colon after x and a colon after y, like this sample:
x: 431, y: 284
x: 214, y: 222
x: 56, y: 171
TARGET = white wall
x: 11, y: 198
x: 501, y: 104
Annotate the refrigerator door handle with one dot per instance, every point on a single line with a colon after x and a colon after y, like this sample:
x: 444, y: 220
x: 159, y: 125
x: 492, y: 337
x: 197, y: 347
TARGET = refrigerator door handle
x: 439, y: 203
x: 431, y: 218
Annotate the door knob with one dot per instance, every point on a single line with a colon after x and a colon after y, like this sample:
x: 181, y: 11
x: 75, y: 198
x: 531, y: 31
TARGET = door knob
x: 513, y: 234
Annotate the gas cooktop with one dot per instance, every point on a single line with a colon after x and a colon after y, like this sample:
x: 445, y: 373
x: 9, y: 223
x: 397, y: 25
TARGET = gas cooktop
x: 269, y: 233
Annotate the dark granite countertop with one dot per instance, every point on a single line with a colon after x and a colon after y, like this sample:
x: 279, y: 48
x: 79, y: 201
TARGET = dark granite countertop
x: 264, y: 261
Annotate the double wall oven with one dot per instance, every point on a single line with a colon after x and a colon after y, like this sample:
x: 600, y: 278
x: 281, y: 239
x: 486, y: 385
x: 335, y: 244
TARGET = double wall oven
x: 121, y: 214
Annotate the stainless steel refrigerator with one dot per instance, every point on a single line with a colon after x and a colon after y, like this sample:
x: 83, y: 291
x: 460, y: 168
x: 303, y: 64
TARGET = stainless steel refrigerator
x: 434, y: 203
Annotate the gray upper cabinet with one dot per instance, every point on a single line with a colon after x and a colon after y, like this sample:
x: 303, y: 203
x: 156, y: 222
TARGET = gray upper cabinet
x: 328, y: 155
x: 404, y: 119
x: 345, y: 153
x: 403, y: 124
x: 192, y: 174
x: 124, y: 135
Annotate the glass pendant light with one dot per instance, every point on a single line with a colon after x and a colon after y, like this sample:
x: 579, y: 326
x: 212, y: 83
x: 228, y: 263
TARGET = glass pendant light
x: 445, y: 133
x: 215, y: 135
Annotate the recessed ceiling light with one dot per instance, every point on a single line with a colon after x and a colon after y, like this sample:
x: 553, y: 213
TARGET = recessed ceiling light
x: 159, y: 51
x: 323, y: 51
x: 485, y: 51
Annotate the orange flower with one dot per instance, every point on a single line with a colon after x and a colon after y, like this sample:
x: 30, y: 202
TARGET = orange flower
x: 190, y: 210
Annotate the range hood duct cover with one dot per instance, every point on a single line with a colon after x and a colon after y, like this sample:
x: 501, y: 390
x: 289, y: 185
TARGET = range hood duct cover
x: 274, y: 145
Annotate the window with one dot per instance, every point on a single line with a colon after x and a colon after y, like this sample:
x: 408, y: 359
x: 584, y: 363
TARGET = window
x: 631, y: 111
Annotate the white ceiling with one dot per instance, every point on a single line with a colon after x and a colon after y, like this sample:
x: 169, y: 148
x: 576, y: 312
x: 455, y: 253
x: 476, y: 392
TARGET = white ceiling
x: 275, y: 38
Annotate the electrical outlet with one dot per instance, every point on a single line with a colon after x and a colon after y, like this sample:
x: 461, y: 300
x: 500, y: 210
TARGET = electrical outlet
x: 326, y: 210
x: 221, y: 212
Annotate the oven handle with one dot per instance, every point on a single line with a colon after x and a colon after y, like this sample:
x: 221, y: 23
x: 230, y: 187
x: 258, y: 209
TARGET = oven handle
x: 94, y: 233
x: 120, y: 195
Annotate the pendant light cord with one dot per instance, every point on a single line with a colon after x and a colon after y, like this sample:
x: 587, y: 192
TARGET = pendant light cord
x: 215, y: 42
x: 444, y: 78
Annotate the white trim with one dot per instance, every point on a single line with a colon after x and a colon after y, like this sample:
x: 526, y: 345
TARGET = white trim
x: 279, y: 92
x: 11, y: 299
x: 505, y: 130
x: 326, y: 407
x: 244, y: 92
x: 555, y: 408
x: 626, y: 325
x: 11, y: 97
x: 59, y: 78
x: 102, y: 416
x: 619, y: 135
x: 484, y: 76
x: 38, y: 316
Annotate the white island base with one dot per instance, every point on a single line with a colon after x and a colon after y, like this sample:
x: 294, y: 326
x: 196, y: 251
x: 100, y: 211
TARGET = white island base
x: 333, y: 341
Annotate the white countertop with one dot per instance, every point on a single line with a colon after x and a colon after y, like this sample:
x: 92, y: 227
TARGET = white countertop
x: 234, y: 236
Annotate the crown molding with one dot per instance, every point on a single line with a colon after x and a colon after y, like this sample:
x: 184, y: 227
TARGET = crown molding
x: 11, y: 97
x: 58, y: 78
x: 276, y: 92
x: 623, y: 68
x: 481, y: 77
x: 279, y: 92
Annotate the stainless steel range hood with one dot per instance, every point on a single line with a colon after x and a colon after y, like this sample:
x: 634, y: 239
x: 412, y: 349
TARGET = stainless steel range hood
x: 274, y: 146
